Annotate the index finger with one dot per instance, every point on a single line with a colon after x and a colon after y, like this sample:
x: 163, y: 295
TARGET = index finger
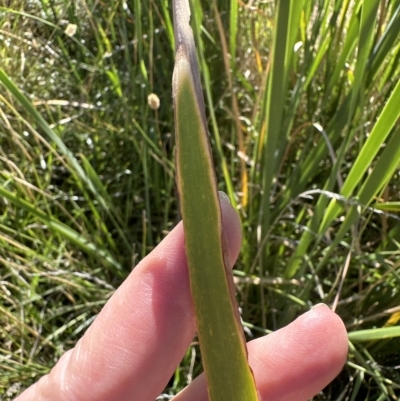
x: 133, y: 347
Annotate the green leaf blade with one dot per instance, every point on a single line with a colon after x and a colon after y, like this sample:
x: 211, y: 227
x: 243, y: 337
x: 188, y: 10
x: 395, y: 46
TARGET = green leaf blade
x: 220, y: 334
x: 381, y: 333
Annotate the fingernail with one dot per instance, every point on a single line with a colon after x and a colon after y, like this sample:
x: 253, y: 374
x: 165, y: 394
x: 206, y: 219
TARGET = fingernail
x: 320, y: 305
x: 224, y: 196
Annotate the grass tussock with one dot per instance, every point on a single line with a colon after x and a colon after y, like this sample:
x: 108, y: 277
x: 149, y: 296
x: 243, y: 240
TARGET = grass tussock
x: 303, y: 106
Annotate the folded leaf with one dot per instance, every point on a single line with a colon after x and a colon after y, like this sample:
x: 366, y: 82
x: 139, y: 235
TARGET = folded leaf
x: 219, y: 329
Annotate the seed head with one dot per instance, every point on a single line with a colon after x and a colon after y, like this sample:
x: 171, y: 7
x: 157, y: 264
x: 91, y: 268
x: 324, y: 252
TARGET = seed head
x: 154, y: 101
x: 70, y: 30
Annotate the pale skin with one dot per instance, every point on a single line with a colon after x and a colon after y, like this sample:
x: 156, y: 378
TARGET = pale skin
x: 133, y: 347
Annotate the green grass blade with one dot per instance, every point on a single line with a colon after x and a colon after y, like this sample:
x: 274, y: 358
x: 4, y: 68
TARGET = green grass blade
x: 82, y: 178
x: 382, y: 171
x: 387, y: 119
x: 168, y: 23
x: 91, y: 173
x: 60, y: 228
x: 28, y: 106
x: 210, y: 103
x: 275, y: 107
x: 388, y: 206
x: 382, y: 333
x: 385, y: 44
x: 376, y: 139
x: 233, y: 30
x: 220, y: 334
x: 382, y: 128
x: 349, y: 43
x: 380, y: 175
x: 367, y: 25
x: 10, y: 10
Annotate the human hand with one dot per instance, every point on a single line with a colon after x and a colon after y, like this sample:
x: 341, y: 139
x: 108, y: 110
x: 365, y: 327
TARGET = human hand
x: 133, y: 347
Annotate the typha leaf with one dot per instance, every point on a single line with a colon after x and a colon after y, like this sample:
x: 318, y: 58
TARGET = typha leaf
x: 219, y: 329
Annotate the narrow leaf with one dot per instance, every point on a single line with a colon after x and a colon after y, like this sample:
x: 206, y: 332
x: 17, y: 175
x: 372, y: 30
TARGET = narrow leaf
x: 219, y: 330
x: 386, y: 121
x: 388, y: 206
x: 379, y: 177
x: 374, y: 334
x: 60, y: 228
x: 274, y: 107
x: 40, y: 121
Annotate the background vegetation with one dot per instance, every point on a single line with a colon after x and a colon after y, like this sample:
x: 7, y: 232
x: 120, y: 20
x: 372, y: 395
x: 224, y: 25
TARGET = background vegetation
x: 306, y: 142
